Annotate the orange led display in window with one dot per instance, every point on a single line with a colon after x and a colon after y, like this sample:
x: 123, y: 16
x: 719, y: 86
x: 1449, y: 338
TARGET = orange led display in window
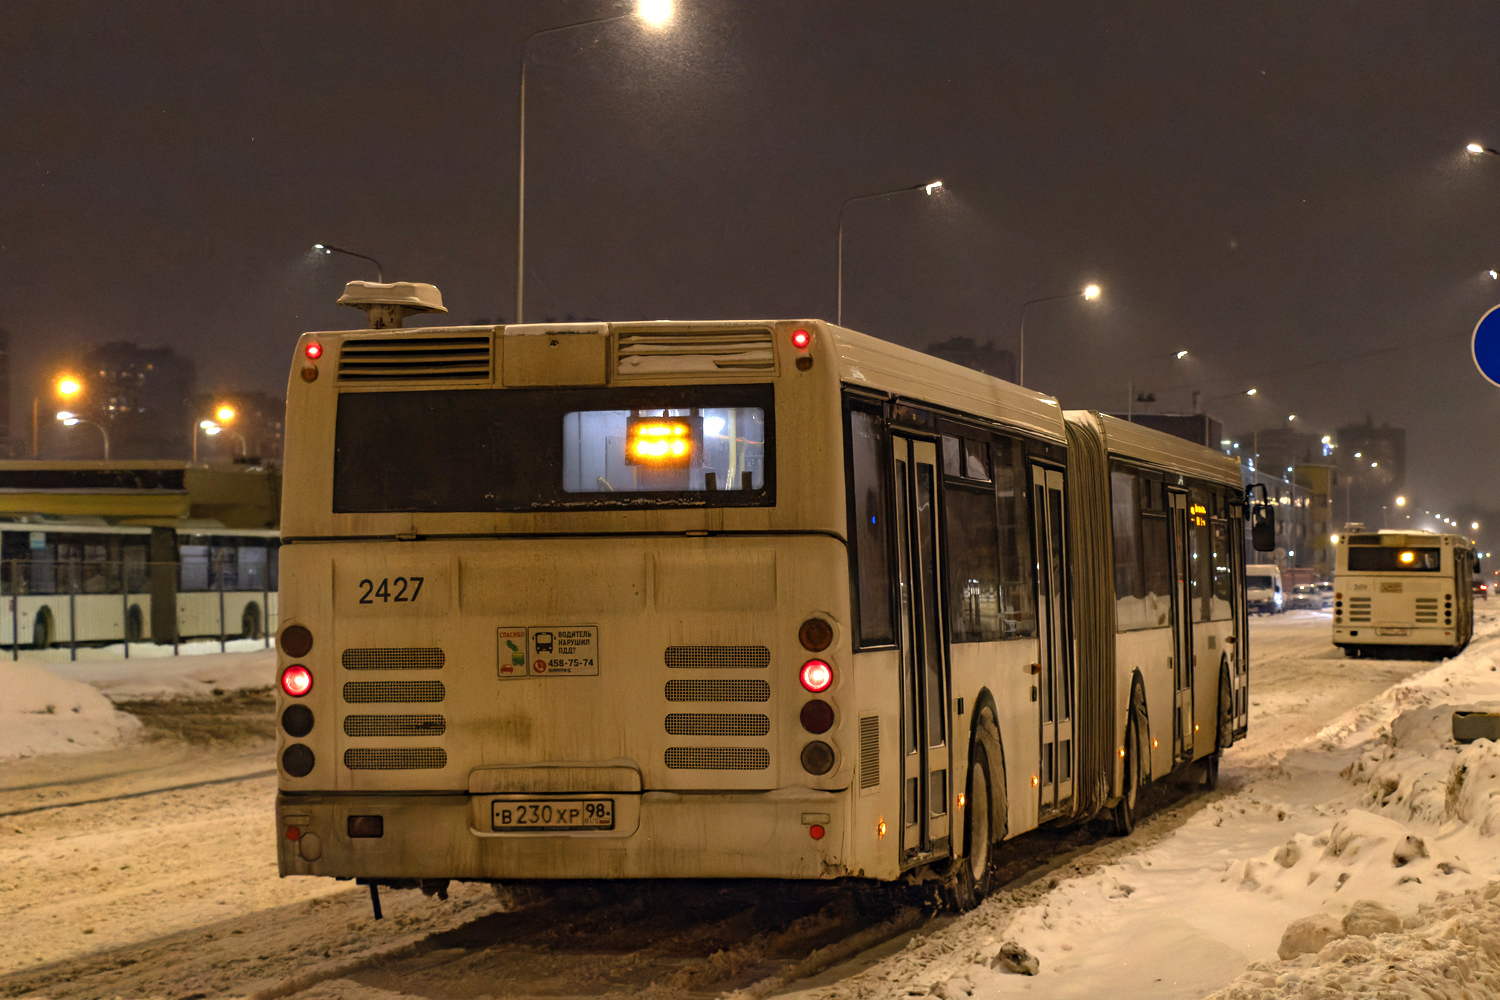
x: 659, y: 441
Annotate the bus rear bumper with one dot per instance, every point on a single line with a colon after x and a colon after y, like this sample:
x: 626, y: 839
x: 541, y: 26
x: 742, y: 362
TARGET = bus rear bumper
x: 1413, y: 635
x: 659, y: 835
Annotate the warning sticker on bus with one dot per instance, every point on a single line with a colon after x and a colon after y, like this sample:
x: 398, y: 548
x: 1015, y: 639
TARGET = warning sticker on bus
x: 548, y: 651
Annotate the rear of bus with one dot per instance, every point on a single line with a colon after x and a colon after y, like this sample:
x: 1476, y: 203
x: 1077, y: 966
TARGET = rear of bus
x: 566, y: 601
x: 1402, y: 589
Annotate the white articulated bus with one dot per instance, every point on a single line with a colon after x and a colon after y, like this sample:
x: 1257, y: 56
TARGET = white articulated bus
x: 68, y: 583
x: 1403, y: 589
x: 738, y: 599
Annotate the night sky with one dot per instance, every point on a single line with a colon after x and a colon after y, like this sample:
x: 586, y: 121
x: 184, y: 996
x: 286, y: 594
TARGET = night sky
x: 1279, y: 188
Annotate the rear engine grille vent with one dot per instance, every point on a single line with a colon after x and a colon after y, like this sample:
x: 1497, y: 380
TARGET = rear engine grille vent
x: 416, y: 359
x: 1359, y: 609
x: 715, y: 724
x: 718, y: 691
x: 395, y: 759
x: 686, y: 351
x: 718, y: 657
x: 869, y: 751
x: 365, y: 692
x: 395, y: 725
x: 393, y: 659
x: 1427, y: 610
x: 719, y: 758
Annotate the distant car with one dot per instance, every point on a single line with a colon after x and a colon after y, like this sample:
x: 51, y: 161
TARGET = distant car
x: 1305, y: 597
x: 1263, y: 590
x: 1481, y: 590
x: 1325, y: 590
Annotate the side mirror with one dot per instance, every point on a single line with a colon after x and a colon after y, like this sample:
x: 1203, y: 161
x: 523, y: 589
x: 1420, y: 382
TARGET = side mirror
x: 1477, y: 567
x: 1263, y: 527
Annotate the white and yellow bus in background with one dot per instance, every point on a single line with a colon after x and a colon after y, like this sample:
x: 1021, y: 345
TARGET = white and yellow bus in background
x: 728, y: 599
x: 1403, y: 591
x: 71, y: 583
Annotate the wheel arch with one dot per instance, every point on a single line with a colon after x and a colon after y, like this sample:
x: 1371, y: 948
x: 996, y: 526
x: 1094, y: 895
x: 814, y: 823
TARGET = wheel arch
x: 989, y: 736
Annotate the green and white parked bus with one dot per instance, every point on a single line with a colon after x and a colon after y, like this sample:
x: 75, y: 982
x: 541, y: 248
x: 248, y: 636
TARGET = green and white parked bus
x: 728, y: 599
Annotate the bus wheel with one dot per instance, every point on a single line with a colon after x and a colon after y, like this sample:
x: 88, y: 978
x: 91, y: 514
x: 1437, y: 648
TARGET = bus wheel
x: 975, y: 869
x: 41, y: 629
x: 135, y: 626
x: 1123, y: 817
x: 250, y: 622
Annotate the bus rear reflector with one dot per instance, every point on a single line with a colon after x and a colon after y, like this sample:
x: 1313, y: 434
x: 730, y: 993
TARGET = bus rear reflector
x: 816, y: 676
x: 296, y: 680
x: 815, y: 831
x: 296, y: 641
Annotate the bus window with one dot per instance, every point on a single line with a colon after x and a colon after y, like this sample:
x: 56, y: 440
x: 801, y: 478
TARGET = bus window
x: 252, y: 567
x: 193, y: 573
x: 1125, y: 520
x: 1200, y: 555
x: 560, y: 449
x: 871, y: 545
x: 973, y: 564
x: 1157, y: 575
x: 722, y: 448
x: 1393, y: 559
x: 1221, y: 604
x: 1017, y: 610
x: 223, y: 568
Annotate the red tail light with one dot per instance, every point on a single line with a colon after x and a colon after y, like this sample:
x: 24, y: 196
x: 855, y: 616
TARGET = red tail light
x: 314, y: 350
x: 296, y: 680
x: 816, y: 676
x: 801, y: 339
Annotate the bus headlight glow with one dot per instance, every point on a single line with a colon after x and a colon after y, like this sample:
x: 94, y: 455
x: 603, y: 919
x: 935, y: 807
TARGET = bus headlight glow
x: 816, y: 676
x: 296, y: 680
x: 655, y: 441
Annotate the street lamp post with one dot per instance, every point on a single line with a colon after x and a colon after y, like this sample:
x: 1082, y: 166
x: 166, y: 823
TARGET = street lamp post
x: 67, y: 387
x: 1088, y: 294
x: 379, y: 271
x: 70, y: 419
x: 656, y: 13
x: 929, y: 188
x: 1130, y: 403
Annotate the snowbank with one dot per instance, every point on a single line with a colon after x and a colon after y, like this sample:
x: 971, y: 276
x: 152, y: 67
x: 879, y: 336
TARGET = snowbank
x: 42, y: 713
x: 174, y: 676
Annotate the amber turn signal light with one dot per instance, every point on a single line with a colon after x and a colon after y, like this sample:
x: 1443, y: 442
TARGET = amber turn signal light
x: 815, y: 635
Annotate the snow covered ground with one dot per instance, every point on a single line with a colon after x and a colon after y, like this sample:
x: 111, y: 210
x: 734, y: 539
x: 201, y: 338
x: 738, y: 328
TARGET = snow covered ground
x: 1348, y: 815
x: 1377, y: 837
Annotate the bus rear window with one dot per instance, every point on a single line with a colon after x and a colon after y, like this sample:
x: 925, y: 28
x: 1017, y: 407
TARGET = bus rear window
x: 476, y: 450
x: 1390, y: 559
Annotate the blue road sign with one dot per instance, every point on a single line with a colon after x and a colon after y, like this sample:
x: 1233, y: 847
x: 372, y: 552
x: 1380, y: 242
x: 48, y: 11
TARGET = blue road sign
x: 1487, y: 345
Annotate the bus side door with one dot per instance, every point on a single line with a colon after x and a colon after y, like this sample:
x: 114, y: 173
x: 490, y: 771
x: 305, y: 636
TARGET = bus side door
x: 1055, y: 683
x: 925, y: 766
x: 1182, y: 629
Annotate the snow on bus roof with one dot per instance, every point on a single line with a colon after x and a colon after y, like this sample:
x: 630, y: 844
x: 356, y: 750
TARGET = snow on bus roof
x: 1154, y: 447
x: 879, y: 364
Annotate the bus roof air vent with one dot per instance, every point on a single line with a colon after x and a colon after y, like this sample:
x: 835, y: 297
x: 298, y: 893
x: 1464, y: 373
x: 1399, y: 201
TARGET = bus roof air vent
x: 450, y: 357
x: 671, y: 352
x: 388, y: 304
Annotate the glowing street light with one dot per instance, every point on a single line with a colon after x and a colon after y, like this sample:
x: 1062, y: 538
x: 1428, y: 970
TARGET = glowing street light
x: 927, y: 189
x: 68, y: 387
x: 379, y: 271
x: 71, y: 419
x: 1494, y: 274
x: 1473, y: 525
x: 1477, y: 149
x: 1401, y: 501
x: 1089, y: 294
x: 654, y: 14
x: 224, y: 413
x: 1130, y: 402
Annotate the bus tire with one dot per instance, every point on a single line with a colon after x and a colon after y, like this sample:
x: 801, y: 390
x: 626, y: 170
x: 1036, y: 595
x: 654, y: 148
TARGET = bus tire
x: 1137, y: 769
x: 975, y: 870
x: 135, y: 624
x: 250, y: 622
x: 42, y: 629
